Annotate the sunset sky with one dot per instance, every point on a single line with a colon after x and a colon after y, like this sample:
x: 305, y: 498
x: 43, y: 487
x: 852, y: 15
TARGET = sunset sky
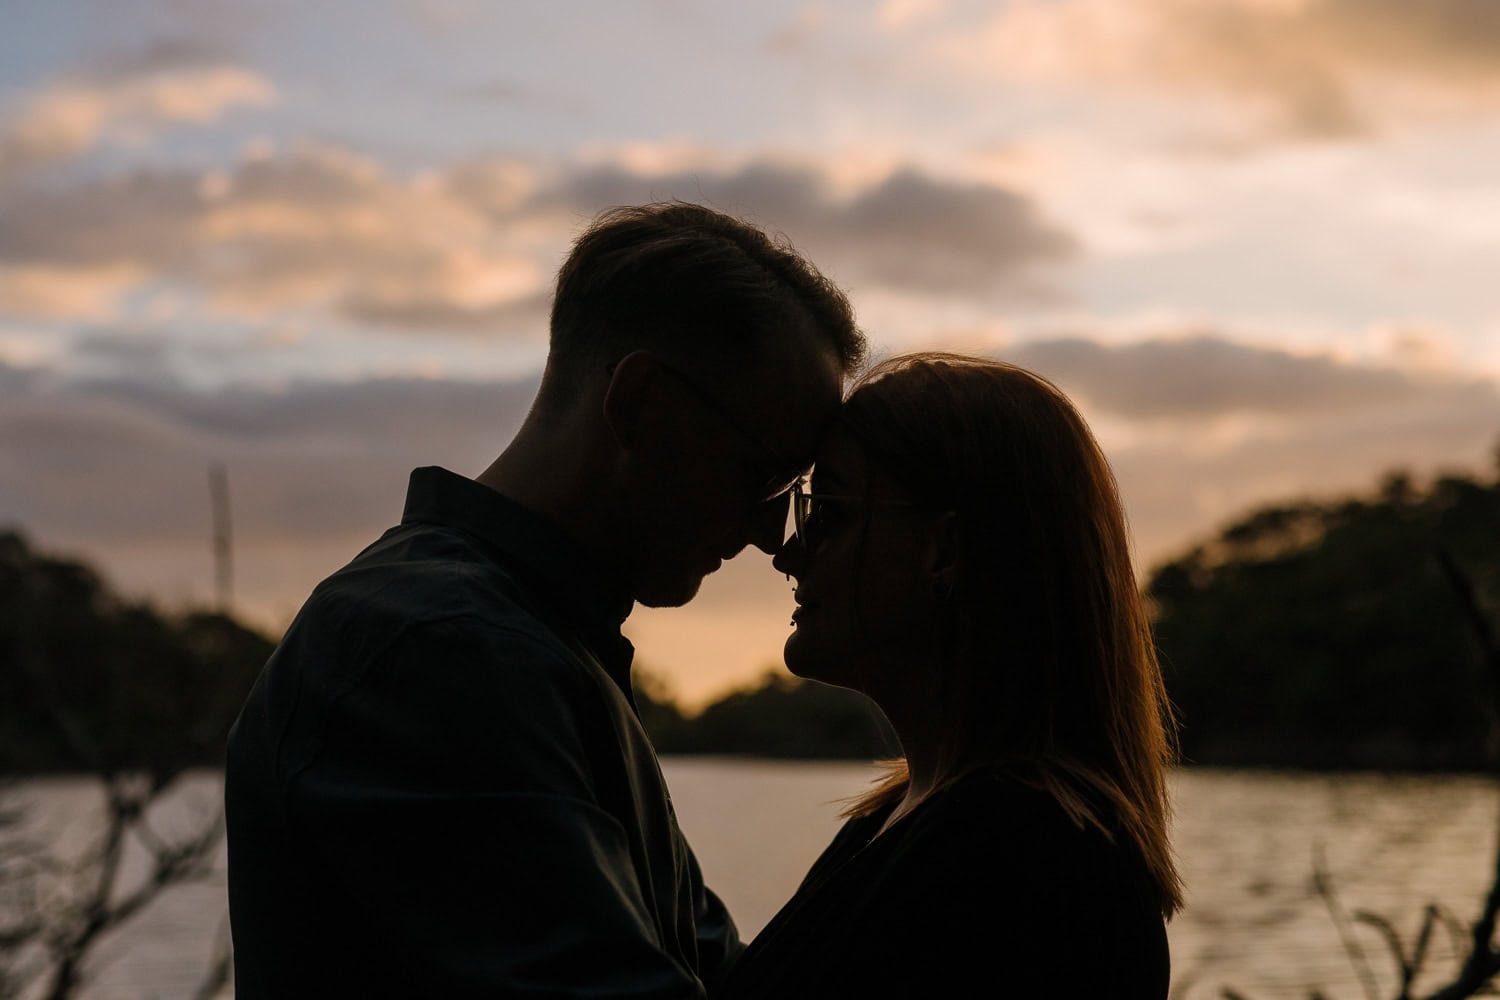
x: 1257, y: 240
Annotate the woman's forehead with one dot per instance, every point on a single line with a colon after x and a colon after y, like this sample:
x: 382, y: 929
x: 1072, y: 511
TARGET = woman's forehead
x: 840, y: 462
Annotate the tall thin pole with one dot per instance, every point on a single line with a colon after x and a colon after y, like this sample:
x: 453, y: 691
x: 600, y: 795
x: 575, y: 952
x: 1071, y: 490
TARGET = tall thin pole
x: 218, y: 491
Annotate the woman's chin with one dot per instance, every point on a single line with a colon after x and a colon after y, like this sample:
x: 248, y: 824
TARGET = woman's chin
x: 811, y: 664
x: 800, y: 660
x: 791, y: 655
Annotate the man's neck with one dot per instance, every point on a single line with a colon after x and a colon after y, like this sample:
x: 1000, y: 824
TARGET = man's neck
x: 559, y: 474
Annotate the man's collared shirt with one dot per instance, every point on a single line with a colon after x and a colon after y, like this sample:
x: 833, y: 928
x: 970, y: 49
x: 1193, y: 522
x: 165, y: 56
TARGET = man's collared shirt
x: 439, y: 785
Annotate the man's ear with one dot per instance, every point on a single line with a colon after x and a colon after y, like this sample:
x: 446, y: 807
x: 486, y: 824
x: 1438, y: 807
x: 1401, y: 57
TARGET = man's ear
x: 630, y: 386
x: 944, y: 550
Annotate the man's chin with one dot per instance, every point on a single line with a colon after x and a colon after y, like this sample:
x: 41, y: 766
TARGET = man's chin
x: 672, y: 594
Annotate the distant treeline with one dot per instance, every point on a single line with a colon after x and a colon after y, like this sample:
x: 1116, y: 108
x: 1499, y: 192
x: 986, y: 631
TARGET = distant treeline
x: 1330, y: 634
x: 1309, y: 634
x: 90, y: 681
x: 779, y: 716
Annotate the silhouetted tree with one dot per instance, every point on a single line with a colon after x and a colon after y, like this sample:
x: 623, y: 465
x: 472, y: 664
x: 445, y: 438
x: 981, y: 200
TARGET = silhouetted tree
x: 1324, y: 634
x: 151, y: 691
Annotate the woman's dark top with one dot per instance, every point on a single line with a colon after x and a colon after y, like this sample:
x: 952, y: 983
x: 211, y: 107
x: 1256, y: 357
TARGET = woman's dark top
x: 987, y: 889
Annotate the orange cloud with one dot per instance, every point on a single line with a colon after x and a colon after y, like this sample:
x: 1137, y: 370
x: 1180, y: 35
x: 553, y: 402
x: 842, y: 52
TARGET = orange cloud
x: 70, y: 118
x: 80, y: 293
x: 1302, y: 68
x: 314, y: 228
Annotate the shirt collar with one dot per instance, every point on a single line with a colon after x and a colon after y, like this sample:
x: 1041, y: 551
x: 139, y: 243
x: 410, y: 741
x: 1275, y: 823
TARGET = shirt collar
x: 583, y: 592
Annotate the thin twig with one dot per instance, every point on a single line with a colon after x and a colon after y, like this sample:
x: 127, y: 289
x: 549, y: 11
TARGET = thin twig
x: 1392, y: 938
x: 1324, y: 885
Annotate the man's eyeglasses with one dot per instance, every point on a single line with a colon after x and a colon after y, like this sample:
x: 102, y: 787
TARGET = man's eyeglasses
x: 809, y: 511
x: 779, y: 474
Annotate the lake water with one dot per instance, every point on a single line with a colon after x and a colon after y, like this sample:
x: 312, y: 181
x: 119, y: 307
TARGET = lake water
x: 1246, y: 843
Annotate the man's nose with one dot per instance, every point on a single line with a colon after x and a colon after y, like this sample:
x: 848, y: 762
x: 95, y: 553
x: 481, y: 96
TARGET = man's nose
x: 788, y: 559
x: 768, y: 524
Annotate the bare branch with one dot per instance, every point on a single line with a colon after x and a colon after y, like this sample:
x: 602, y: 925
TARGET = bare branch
x: 1393, y: 942
x: 1323, y: 883
x: 1430, y: 919
x: 221, y: 967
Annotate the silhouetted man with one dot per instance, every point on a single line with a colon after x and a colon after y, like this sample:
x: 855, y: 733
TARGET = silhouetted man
x: 439, y: 786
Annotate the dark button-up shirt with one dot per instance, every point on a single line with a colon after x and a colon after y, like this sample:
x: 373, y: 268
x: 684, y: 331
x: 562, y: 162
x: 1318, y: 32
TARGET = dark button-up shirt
x: 439, y: 785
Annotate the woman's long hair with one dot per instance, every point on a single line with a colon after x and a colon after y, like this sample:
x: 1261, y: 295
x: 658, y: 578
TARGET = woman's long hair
x: 1045, y: 664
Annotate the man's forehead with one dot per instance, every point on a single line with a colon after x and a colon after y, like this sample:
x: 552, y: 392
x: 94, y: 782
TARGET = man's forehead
x: 801, y: 403
x: 807, y: 375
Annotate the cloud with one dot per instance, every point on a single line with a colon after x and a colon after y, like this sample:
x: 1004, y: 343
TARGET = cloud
x: 1179, y: 493
x: 913, y: 232
x: 117, y: 468
x: 1309, y: 68
x: 129, y: 99
x: 470, y: 249
x: 900, y: 15
x: 907, y: 231
x: 418, y: 311
x: 1202, y: 429
x: 1207, y: 376
x: 142, y: 354
x: 77, y: 291
x: 314, y: 228
x: 802, y: 31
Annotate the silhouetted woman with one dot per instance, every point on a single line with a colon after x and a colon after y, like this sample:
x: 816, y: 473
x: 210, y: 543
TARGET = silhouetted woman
x: 962, y: 559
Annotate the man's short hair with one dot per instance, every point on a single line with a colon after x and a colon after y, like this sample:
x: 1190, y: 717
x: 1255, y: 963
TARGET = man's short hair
x: 691, y: 283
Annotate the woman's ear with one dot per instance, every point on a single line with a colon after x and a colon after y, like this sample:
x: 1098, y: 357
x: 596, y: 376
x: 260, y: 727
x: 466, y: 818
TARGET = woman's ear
x: 944, y: 548
x: 630, y: 381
